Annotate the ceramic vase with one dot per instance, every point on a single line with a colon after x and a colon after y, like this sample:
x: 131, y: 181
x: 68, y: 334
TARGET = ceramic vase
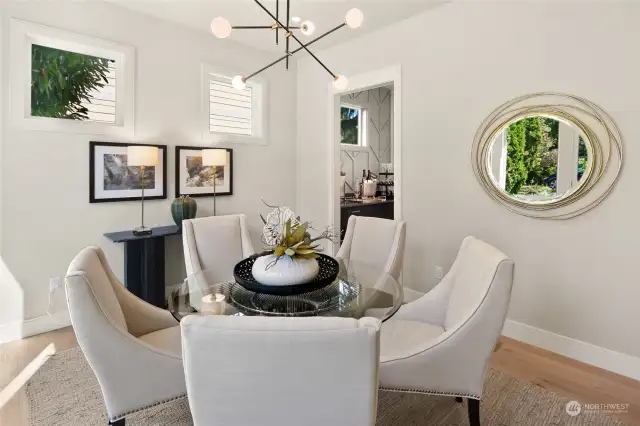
x: 285, y: 272
x: 183, y: 208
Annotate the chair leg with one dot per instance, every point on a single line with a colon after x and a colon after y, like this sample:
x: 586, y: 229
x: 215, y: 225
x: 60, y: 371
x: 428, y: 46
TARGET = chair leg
x: 458, y: 399
x: 473, y: 406
x: 117, y: 423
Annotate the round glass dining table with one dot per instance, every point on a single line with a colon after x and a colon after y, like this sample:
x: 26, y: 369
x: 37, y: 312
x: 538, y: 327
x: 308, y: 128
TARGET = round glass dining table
x: 359, y: 290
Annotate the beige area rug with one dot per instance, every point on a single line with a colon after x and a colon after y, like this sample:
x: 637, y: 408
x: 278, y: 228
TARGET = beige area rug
x: 65, y: 392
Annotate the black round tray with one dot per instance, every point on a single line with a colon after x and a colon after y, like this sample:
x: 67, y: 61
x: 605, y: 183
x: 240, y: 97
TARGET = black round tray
x: 329, y: 269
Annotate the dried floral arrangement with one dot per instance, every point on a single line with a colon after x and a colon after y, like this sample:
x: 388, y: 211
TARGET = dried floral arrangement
x: 285, y: 234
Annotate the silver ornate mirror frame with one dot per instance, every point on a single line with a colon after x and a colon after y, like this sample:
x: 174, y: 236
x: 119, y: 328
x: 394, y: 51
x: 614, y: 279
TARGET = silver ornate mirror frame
x: 604, y: 145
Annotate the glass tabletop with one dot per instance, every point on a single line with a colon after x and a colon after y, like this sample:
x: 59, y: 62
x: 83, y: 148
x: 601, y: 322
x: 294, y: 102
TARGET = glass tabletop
x: 359, y: 290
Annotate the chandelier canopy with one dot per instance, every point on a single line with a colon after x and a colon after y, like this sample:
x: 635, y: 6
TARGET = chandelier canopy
x: 222, y: 28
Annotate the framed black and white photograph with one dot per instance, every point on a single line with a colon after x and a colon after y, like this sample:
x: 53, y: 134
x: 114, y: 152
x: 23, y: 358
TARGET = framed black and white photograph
x: 197, y: 180
x: 111, y: 179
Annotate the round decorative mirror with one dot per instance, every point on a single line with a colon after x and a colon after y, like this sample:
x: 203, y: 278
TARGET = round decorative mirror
x: 548, y: 155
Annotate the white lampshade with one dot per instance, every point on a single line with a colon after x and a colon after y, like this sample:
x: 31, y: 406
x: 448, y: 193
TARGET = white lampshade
x: 354, y: 18
x: 140, y: 155
x: 341, y: 82
x: 214, y: 157
x: 220, y: 27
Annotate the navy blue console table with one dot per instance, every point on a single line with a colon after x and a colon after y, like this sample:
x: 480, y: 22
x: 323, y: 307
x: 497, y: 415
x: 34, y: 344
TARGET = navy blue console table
x: 144, y: 262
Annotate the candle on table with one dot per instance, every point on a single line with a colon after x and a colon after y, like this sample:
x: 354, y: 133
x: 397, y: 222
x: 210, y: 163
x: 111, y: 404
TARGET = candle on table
x: 214, y: 304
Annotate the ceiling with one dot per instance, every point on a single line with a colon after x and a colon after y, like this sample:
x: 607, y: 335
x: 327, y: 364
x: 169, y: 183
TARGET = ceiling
x: 325, y: 14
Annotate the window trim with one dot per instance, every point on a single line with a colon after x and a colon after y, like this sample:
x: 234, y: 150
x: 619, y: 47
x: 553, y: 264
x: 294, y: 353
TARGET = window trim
x: 259, y: 117
x: 25, y: 34
x: 362, y: 131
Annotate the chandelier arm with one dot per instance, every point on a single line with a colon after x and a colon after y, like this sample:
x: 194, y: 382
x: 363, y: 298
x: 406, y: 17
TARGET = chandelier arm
x: 302, y: 46
x: 297, y: 39
x: 252, y: 27
x: 331, y: 31
x: 277, y: 61
x: 287, y: 36
x: 294, y: 51
x: 260, y: 27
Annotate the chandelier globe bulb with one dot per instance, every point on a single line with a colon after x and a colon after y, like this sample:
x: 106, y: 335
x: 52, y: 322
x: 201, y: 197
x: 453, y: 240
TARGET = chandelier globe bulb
x: 239, y: 82
x: 354, y: 18
x: 307, y: 28
x: 341, y: 82
x: 220, y: 27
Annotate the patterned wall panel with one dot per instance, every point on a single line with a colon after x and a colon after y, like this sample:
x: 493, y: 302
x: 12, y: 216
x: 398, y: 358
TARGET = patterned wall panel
x: 378, y: 104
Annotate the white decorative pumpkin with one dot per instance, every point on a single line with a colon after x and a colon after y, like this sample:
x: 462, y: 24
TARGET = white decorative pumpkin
x: 286, y: 271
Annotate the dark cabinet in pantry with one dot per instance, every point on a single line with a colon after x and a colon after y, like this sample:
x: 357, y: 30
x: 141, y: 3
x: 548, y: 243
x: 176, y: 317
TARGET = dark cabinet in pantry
x: 382, y: 209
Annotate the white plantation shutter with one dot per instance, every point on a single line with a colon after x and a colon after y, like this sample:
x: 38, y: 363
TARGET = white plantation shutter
x: 229, y: 114
x: 102, y: 103
x: 230, y: 109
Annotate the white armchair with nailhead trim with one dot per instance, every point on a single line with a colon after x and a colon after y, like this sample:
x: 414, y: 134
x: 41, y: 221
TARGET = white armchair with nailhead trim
x: 133, y: 348
x: 375, y: 241
x: 215, y: 244
x: 441, y: 343
x: 246, y: 371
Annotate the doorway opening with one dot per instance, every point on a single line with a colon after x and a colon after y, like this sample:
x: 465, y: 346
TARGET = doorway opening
x: 365, y: 149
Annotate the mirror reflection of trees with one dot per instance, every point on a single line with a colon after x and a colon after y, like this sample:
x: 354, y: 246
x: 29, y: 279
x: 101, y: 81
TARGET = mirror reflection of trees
x: 532, y: 157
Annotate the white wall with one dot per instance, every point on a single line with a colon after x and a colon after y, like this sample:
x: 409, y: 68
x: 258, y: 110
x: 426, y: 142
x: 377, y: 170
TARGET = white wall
x: 46, y: 215
x: 576, y: 278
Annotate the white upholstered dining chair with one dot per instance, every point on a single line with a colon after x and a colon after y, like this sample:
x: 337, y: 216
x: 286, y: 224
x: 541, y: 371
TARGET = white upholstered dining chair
x: 215, y: 244
x: 441, y: 343
x: 375, y: 241
x: 132, y: 347
x: 247, y: 371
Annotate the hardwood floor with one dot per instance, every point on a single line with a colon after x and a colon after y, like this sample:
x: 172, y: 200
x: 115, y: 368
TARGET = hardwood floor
x: 548, y: 370
x: 14, y: 357
x: 567, y: 377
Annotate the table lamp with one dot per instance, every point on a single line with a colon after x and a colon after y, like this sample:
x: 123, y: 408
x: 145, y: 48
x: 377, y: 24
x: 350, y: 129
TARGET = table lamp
x: 143, y: 156
x: 214, y: 158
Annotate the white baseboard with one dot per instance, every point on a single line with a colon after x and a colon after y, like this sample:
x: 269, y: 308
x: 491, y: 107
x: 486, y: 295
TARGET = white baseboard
x: 588, y: 353
x: 21, y: 329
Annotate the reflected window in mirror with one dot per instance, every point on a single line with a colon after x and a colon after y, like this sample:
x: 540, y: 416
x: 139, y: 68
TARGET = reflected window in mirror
x: 538, y: 158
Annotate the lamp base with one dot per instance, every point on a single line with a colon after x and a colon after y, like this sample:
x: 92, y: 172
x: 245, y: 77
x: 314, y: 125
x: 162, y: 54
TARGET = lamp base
x: 142, y: 230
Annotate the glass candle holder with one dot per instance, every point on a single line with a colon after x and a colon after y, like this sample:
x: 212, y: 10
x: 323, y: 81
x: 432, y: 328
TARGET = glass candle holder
x: 214, y: 304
